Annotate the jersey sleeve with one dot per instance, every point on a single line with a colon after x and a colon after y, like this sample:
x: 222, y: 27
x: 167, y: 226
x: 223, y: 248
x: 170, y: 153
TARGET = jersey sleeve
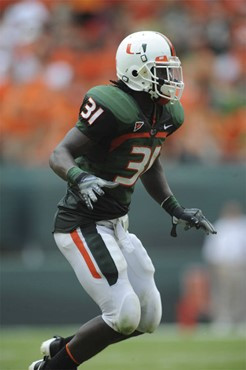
x: 96, y: 121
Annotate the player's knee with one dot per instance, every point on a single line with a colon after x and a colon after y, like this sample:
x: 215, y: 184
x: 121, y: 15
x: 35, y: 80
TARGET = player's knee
x: 151, y: 313
x: 129, y: 315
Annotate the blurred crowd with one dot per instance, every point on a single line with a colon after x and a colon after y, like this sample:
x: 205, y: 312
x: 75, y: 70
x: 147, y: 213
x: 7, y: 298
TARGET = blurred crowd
x: 53, y: 51
x: 225, y: 257
x: 216, y: 291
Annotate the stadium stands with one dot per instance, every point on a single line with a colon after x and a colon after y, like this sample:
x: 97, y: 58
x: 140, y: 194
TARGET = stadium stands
x: 52, y: 52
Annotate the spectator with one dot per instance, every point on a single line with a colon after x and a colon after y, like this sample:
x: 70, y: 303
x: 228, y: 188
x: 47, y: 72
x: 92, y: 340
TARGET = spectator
x: 225, y: 255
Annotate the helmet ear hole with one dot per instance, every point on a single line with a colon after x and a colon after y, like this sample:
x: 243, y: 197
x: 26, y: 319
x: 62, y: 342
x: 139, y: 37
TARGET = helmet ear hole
x: 135, y: 73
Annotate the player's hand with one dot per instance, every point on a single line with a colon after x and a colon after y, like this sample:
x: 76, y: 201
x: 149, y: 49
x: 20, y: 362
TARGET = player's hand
x: 191, y: 217
x: 90, y: 186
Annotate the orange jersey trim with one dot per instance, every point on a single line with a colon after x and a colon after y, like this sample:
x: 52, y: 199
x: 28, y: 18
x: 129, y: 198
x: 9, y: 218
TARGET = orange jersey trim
x: 121, y: 139
x: 80, y: 245
x: 161, y: 134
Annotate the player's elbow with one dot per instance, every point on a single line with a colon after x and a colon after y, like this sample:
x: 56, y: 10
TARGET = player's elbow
x: 54, y: 160
x: 51, y: 160
x: 58, y: 162
x: 56, y: 157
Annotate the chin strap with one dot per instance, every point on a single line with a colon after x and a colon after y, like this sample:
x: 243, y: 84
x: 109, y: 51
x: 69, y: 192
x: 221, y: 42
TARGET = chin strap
x: 162, y: 101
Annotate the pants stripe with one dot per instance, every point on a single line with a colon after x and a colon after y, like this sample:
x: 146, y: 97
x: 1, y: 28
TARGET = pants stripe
x: 100, y: 253
x: 79, y: 244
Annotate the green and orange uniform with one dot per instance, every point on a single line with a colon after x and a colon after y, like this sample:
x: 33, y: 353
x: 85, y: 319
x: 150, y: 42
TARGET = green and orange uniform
x: 127, y: 142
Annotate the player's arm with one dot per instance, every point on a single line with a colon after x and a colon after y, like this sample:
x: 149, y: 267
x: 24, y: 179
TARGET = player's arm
x: 74, y: 144
x: 156, y: 184
x: 62, y: 161
x: 93, y: 124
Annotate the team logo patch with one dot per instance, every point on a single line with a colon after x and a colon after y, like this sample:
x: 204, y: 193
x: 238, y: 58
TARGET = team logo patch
x: 138, y: 125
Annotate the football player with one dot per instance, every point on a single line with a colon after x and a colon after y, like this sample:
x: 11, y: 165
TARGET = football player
x: 117, y: 140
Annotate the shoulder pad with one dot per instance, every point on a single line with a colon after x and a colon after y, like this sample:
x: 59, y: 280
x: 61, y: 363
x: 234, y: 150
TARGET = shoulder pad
x: 122, y: 105
x: 177, y: 112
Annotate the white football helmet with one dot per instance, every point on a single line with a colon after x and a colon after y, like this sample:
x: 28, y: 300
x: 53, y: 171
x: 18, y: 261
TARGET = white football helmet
x: 146, y: 61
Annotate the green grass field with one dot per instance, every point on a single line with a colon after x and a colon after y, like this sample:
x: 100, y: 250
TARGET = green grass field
x: 167, y: 349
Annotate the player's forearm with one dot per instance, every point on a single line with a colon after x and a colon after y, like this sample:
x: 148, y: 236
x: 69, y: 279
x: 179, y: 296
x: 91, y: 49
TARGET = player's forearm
x: 63, y: 157
x: 61, y: 161
x: 156, y: 183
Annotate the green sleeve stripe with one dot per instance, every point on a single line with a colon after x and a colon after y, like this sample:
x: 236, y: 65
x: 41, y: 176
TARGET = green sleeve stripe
x: 170, y: 204
x: 73, y: 173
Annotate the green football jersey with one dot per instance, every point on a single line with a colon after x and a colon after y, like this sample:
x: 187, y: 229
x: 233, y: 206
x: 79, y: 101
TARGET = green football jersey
x: 127, y: 144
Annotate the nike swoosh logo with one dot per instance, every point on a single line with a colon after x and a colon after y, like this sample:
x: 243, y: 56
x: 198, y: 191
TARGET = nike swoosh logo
x: 166, y: 126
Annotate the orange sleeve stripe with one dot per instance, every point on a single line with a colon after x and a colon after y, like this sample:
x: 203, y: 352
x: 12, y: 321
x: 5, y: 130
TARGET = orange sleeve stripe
x: 71, y: 356
x: 80, y: 245
x: 161, y: 134
x: 121, y: 139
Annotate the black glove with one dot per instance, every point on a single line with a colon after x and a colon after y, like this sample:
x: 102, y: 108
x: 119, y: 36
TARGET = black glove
x: 90, y: 185
x: 191, y: 217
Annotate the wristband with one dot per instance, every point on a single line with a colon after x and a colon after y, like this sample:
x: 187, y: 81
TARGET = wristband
x: 170, y: 204
x: 75, y: 174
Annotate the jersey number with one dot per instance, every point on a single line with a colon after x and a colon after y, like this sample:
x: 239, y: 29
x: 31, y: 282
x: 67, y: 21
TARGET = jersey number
x: 148, y: 158
x: 89, y: 111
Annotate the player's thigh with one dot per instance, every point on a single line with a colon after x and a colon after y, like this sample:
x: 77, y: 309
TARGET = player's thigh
x: 96, y: 264
x: 140, y: 266
x: 101, y: 269
x: 141, y: 276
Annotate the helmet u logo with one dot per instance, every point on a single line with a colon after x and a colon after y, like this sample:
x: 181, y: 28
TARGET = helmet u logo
x: 128, y: 49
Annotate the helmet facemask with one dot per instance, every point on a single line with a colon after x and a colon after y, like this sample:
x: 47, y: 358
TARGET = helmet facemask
x: 165, y: 79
